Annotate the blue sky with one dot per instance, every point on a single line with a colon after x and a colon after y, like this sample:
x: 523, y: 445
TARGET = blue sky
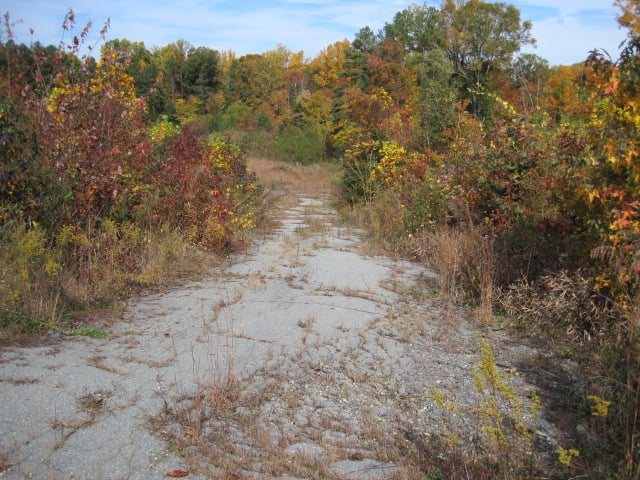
x: 566, y: 30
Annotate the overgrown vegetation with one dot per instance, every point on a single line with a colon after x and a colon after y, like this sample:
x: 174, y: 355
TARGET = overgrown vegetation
x: 98, y: 199
x: 523, y: 195
x: 503, y: 443
x: 517, y: 180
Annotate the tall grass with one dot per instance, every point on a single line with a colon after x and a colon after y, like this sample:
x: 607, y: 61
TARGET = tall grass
x: 464, y: 258
x: 43, y: 280
x: 383, y: 222
x: 29, y: 288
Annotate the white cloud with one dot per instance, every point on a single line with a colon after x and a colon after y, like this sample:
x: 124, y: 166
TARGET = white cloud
x: 569, y: 41
x: 565, y: 29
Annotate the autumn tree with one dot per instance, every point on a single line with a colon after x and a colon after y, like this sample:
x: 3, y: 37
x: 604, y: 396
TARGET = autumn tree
x: 482, y: 39
x: 565, y: 96
x: 433, y: 96
x: 355, y: 72
x: 249, y: 80
x: 270, y: 82
x: 388, y: 69
x: 201, y: 75
x: 326, y: 66
x: 418, y: 28
x: 34, y: 66
x: 171, y: 60
x: 145, y: 71
x: 629, y: 16
x: 431, y: 92
x: 529, y: 74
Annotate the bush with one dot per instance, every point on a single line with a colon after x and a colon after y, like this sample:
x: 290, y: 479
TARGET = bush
x: 302, y: 145
x: 21, y: 172
x: 94, y: 203
x: 560, y: 302
x: 237, y: 115
x: 257, y: 143
x: 202, y: 189
x: 383, y: 221
x: 427, y: 204
x: 29, y: 292
x: 359, y: 163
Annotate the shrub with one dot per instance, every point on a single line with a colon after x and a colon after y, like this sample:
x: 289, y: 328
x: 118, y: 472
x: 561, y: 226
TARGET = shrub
x: 264, y: 121
x: 237, y: 115
x: 302, y: 145
x: 163, y: 129
x: 29, y: 292
x: 202, y: 189
x: 427, y: 204
x: 383, y: 221
x: 502, y: 429
x: 359, y: 163
x: 21, y: 171
x: 94, y: 203
x: 560, y: 302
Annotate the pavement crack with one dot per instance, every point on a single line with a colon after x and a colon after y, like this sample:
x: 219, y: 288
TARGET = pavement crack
x: 323, y: 304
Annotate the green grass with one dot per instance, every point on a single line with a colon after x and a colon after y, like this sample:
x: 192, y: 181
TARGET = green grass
x: 91, y: 332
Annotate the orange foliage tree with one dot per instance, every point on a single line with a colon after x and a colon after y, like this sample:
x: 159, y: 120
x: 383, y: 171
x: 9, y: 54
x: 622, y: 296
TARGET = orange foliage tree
x: 94, y: 142
x: 614, y: 193
x: 613, y: 188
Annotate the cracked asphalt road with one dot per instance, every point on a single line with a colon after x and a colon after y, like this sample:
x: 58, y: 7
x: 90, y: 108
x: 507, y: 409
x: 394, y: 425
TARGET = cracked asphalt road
x: 331, y: 353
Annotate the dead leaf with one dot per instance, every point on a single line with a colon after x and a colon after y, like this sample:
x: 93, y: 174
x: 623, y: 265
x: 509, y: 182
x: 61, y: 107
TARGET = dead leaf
x: 357, y: 456
x: 177, y: 473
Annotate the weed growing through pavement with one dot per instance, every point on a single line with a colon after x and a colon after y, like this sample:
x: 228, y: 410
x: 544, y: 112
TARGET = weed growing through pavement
x: 92, y: 404
x: 308, y: 322
x: 289, y: 245
x: 502, y: 443
x: 92, y: 332
x: 21, y: 381
x: 5, y: 461
x: 215, y: 391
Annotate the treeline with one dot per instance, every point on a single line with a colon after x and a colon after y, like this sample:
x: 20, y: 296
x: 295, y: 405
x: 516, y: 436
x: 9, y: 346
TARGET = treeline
x: 519, y: 180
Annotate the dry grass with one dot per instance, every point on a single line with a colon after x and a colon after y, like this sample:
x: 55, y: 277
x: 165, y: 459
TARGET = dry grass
x: 94, y: 402
x: 243, y: 429
x: 219, y: 433
x: 99, y: 361
x: 316, y: 224
x: 5, y: 461
x: 464, y: 259
x: 383, y: 223
x: 283, y: 183
x: 164, y: 258
x: 42, y: 287
x: 562, y: 303
x: 314, y: 180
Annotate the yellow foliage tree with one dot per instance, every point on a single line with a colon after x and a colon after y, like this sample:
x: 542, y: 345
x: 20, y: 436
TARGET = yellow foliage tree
x: 327, y: 65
